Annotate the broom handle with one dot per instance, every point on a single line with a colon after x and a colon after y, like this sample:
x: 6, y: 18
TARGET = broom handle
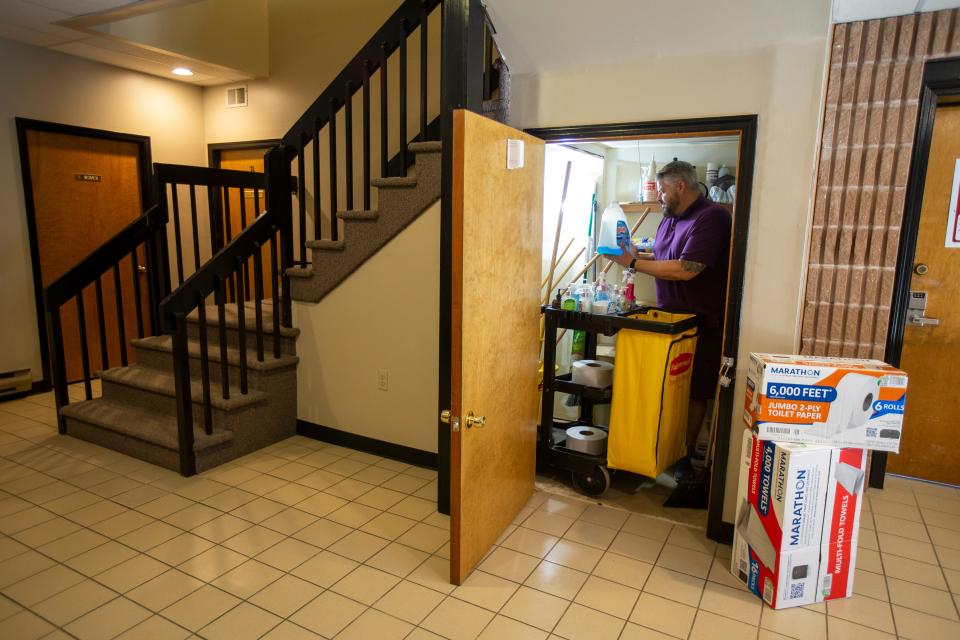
x: 559, y: 260
x: 556, y: 238
x: 559, y: 278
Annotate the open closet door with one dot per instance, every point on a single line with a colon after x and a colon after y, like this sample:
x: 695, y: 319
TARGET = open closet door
x: 495, y: 350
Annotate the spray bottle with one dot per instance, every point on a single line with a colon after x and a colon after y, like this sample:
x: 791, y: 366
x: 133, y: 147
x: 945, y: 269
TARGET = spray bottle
x: 629, y: 299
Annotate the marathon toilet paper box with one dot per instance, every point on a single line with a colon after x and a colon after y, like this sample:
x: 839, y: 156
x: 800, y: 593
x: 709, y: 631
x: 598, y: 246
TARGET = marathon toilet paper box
x: 795, y: 535
x: 838, y: 402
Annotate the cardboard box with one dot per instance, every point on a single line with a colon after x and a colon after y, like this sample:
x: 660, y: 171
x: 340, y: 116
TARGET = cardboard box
x: 836, y: 402
x: 795, y: 532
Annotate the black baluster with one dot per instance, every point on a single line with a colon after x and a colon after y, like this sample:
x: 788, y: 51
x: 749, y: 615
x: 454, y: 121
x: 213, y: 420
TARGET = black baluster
x: 317, y: 227
x: 256, y: 203
x: 383, y: 111
x: 181, y: 377
x: 84, y: 353
x: 135, y: 270
x: 58, y: 367
x: 275, y: 271
x: 176, y: 231
x: 334, y: 227
x: 215, y: 212
x: 302, y: 203
x: 196, y: 231
x: 227, y: 221
x: 242, y: 332
x: 424, y: 42
x: 219, y: 296
x: 366, y: 134
x: 102, y: 325
x: 258, y: 298
x: 403, y: 99
x: 204, y: 365
x: 348, y: 143
x: 121, y: 328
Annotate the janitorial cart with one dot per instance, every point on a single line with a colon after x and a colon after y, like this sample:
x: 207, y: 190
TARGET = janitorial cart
x: 648, y: 398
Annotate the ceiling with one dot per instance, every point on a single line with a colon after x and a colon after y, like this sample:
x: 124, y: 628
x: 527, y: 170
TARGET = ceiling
x: 75, y: 27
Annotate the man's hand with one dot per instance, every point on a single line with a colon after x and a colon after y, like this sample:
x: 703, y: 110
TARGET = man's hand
x: 629, y: 253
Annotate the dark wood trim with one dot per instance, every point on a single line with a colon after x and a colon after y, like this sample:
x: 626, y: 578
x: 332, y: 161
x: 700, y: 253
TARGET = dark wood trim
x: 417, y: 457
x: 941, y: 79
x: 147, y: 197
x: 38, y: 386
x: 746, y: 127
x: 214, y: 150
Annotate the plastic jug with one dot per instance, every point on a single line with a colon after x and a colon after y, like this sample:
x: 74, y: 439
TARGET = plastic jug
x: 613, y: 230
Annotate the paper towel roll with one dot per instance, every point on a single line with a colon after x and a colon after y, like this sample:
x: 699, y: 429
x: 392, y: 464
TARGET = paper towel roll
x: 587, y: 440
x: 592, y: 373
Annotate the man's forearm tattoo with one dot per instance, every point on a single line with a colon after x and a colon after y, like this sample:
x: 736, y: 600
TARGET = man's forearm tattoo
x: 691, y: 266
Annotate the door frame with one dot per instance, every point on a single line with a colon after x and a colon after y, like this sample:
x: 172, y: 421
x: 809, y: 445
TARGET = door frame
x: 216, y: 149
x: 746, y: 127
x: 941, y: 79
x: 144, y: 164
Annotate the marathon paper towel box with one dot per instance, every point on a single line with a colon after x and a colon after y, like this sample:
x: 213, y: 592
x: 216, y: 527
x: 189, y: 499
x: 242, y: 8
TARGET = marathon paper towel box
x: 825, y: 401
x: 795, y: 535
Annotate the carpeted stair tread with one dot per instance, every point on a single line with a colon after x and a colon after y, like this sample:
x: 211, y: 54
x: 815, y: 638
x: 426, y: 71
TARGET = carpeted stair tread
x: 162, y: 383
x: 359, y: 214
x: 250, y: 320
x: 326, y: 245
x: 402, y: 182
x: 430, y: 146
x: 299, y: 272
x: 155, y: 428
x: 164, y: 344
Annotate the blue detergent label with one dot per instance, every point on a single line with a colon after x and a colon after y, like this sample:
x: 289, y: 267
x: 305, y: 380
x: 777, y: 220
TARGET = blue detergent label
x: 754, y: 580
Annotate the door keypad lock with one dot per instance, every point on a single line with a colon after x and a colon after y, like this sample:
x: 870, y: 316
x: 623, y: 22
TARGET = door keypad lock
x: 917, y: 308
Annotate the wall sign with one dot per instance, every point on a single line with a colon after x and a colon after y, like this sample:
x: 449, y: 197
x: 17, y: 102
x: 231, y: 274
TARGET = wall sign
x: 953, y: 214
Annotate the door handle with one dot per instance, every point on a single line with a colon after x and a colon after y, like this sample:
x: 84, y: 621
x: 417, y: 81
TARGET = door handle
x: 475, y: 421
x: 141, y: 268
x: 921, y: 321
x: 451, y: 420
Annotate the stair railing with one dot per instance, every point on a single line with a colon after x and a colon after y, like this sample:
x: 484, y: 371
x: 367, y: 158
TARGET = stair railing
x: 236, y: 272
x: 185, y: 196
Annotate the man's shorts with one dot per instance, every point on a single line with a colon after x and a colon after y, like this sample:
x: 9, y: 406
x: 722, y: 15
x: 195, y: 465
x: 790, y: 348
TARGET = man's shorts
x: 706, y: 365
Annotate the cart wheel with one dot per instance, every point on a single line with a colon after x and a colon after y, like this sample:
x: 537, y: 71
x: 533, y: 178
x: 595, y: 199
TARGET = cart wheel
x: 594, y: 483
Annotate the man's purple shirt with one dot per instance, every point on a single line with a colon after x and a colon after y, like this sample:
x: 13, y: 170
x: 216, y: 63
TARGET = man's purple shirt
x: 701, y: 234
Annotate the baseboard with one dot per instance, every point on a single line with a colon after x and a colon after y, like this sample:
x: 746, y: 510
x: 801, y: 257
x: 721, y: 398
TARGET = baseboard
x: 38, y: 386
x: 722, y: 533
x: 383, y: 448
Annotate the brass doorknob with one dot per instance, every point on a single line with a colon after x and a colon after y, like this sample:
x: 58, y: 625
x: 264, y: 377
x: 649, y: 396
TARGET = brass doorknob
x: 141, y: 268
x: 921, y: 269
x: 475, y: 421
x: 445, y: 416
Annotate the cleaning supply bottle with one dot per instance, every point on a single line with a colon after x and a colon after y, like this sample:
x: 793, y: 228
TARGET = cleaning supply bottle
x: 600, y: 290
x: 570, y: 303
x: 628, y: 297
x: 650, y: 182
x: 613, y: 230
x: 645, y: 244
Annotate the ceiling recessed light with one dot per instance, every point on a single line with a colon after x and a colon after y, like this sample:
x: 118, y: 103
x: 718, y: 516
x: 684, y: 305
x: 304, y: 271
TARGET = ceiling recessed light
x: 182, y: 71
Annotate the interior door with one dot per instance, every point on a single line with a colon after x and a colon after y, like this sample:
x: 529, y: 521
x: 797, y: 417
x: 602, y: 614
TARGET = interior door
x: 931, y: 351
x: 254, y: 203
x: 85, y: 189
x: 497, y: 219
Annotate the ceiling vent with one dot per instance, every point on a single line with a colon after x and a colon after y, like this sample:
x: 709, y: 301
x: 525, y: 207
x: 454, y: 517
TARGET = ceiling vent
x: 237, y: 96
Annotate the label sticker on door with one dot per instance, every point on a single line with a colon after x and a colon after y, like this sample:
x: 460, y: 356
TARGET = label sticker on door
x: 953, y: 214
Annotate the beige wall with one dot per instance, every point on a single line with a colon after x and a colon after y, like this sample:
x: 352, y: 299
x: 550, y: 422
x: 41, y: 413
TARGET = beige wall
x: 783, y: 84
x: 384, y: 316
x: 44, y: 85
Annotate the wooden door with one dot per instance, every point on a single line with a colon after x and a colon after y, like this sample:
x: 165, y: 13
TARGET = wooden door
x: 497, y: 219
x: 930, y: 353
x: 254, y: 203
x: 85, y: 189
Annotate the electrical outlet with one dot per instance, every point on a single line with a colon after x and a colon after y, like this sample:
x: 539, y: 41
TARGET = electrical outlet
x: 383, y: 378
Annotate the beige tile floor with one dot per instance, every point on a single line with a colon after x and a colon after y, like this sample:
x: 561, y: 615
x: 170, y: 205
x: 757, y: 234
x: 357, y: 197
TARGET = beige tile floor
x: 308, y: 540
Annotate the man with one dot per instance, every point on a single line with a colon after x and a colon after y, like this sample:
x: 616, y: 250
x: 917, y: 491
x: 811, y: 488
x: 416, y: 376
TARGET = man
x: 689, y: 262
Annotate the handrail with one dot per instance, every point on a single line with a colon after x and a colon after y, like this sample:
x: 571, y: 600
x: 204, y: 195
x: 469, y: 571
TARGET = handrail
x: 103, y: 257
x: 184, y: 174
x: 205, y: 280
x: 403, y: 21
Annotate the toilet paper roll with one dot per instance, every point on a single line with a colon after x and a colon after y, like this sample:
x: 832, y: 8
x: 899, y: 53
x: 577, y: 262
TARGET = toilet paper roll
x: 592, y: 373
x: 853, y: 405
x: 587, y: 440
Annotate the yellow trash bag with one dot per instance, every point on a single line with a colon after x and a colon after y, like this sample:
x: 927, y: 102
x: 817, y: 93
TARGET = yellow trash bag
x: 651, y: 392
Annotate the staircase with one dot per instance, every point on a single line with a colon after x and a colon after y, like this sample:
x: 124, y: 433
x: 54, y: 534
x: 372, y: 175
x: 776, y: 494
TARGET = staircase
x: 137, y: 412
x: 401, y: 201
